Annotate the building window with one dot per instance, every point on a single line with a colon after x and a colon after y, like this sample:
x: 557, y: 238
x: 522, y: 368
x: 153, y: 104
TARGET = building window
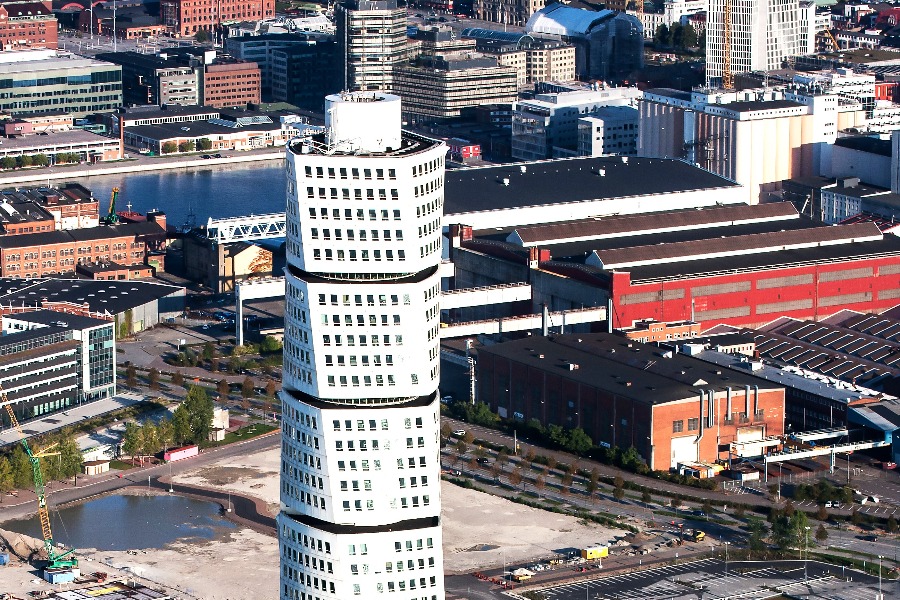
x: 693, y: 424
x: 677, y: 426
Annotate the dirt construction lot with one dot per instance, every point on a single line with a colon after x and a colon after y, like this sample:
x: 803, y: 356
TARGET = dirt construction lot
x: 479, y: 530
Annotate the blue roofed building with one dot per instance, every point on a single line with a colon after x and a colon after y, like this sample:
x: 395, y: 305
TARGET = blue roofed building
x: 609, y: 45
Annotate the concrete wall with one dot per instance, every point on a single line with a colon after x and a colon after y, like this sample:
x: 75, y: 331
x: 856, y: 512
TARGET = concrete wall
x: 873, y: 169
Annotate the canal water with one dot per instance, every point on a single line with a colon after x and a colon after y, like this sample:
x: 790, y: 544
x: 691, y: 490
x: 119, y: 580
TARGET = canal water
x: 124, y: 522
x: 198, y: 193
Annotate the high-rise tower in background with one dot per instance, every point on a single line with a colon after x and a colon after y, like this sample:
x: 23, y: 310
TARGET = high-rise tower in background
x: 764, y: 33
x: 371, y: 35
x: 360, y: 469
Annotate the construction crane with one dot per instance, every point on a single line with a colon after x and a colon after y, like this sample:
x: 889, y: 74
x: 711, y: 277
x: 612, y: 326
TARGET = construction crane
x: 55, y: 560
x: 112, y: 217
x: 727, y: 75
x: 828, y: 37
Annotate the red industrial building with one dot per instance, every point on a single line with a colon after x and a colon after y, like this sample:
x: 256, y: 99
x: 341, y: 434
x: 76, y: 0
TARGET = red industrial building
x: 737, y: 265
x: 25, y: 25
x: 187, y: 17
x: 673, y: 409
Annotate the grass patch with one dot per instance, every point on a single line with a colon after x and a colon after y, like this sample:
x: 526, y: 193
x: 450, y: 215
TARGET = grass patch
x: 244, y: 433
x: 121, y: 465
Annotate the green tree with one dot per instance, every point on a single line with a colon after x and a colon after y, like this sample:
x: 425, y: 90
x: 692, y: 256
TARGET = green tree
x: 153, y: 378
x: 204, y: 144
x: 177, y: 378
x: 165, y: 434
x: 186, y: 146
x: 21, y: 468
x: 247, y: 390
x: 675, y: 35
x: 270, y: 344
x: 821, y: 533
x: 200, y: 408
x: 855, y: 517
x: 618, y: 493
x: 131, y: 376
x: 591, y: 488
x: 446, y: 430
x: 71, y: 460
x: 646, y: 498
x: 169, y: 147
x: 892, y: 526
x: 181, y: 425
x: 208, y: 351
x: 689, y: 38
x: 756, y: 543
x: 132, y: 440
x: 515, y: 477
x: 23, y: 161
x: 661, y: 36
x: 7, y: 479
x: 223, y: 389
x: 579, y: 442
x: 822, y: 514
x: 40, y: 160
x: 8, y: 162
x: 271, y: 388
x: 469, y: 437
x: 461, y: 447
x: 202, y: 36
x: 149, y: 439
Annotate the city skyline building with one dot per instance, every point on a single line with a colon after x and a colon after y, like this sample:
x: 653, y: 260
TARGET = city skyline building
x: 371, y: 36
x: 360, y: 474
x: 764, y: 33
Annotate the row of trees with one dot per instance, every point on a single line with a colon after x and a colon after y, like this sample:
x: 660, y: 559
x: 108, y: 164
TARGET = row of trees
x: 16, y: 471
x: 38, y: 160
x: 200, y: 145
x: 681, y: 37
x: 190, y: 423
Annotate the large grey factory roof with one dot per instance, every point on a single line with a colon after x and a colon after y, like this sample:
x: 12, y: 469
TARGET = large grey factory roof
x: 820, y: 386
x: 630, y: 369
x: 545, y: 183
x: 101, y: 296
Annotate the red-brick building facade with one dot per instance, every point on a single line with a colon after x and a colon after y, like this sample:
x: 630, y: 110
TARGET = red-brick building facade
x: 25, y: 25
x: 231, y: 84
x: 187, y: 17
x: 35, y: 255
x: 672, y: 410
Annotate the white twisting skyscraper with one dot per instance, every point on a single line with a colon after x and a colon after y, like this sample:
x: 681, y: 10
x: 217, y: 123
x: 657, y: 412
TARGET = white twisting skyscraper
x: 360, y: 469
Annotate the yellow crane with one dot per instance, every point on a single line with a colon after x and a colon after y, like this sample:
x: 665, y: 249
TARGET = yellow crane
x: 55, y: 560
x: 727, y: 75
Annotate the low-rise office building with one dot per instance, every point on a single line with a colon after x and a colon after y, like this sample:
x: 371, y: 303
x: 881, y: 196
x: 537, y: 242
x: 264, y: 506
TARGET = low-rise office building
x: 536, y: 58
x: 37, y: 82
x: 671, y: 408
x: 149, y: 79
x: 237, y: 131
x: 50, y: 361
x: 439, y: 87
x: 86, y: 146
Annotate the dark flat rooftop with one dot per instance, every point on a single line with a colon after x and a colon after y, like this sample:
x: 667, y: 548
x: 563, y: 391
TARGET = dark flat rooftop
x: 623, y: 225
x: 546, y: 183
x: 54, y: 318
x: 623, y: 367
x: 758, y: 105
x: 101, y: 296
x: 865, y: 144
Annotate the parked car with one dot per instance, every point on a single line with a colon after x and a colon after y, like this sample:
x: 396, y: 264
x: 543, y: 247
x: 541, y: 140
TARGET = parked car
x: 460, y: 432
x: 483, y: 461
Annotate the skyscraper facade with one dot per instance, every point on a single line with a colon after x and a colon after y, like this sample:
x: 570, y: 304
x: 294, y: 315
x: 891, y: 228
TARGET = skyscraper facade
x: 360, y: 469
x: 764, y: 33
x: 371, y: 35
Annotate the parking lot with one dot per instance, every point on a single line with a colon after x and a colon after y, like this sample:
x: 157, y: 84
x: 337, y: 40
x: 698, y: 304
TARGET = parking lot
x: 746, y: 580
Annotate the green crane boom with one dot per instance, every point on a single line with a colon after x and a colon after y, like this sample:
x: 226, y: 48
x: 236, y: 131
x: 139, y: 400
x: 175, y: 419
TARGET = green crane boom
x: 55, y: 559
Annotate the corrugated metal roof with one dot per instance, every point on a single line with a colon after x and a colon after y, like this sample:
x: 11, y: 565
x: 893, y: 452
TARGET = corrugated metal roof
x: 651, y: 223
x: 737, y: 245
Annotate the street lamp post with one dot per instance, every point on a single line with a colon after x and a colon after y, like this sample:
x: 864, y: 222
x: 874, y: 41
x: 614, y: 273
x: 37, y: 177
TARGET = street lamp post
x: 726, y: 558
x: 880, y: 595
x: 806, y: 543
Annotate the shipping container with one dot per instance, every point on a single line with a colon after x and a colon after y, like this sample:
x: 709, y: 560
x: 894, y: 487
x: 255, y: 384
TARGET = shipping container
x: 181, y: 453
x: 4, y: 559
x: 595, y: 552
